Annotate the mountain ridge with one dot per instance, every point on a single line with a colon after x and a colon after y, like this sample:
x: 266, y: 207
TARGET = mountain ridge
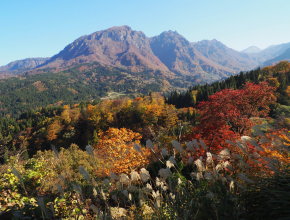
x: 19, y: 66
x: 168, y: 52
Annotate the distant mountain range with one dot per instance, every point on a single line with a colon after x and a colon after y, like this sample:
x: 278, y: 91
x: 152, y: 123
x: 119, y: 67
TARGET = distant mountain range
x: 169, y: 53
x: 19, y: 66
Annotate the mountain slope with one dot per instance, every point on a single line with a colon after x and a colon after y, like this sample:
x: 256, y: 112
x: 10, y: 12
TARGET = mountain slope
x: 116, y: 46
x: 284, y: 56
x: 224, y: 56
x: 270, y: 53
x: 22, y: 65
x: 122, y: 47
x: 181, y: 57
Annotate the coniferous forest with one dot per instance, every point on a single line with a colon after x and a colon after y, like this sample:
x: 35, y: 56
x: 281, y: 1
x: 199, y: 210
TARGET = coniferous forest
x: 214, y: 151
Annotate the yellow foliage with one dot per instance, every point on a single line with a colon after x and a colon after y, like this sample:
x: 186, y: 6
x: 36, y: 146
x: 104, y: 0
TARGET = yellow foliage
x: 70, y: 114
x: 53, y: 129
x: 194, y: 95
x: 65, y: 115
x: 116, y: 148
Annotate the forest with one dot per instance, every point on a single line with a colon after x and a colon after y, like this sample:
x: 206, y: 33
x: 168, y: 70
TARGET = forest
x: 214, y: 151
x: 80, y: 83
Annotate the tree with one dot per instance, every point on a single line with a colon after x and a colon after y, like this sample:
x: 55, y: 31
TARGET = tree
x: 120, y: 149
x: 53, y: 129
x: 226, y: 115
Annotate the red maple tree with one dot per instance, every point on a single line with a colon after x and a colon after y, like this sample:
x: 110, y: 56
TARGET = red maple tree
x: 226, y: 115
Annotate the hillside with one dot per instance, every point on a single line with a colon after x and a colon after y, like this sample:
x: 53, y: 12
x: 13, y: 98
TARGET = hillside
x: 85, y: 82
x: 278, y: 75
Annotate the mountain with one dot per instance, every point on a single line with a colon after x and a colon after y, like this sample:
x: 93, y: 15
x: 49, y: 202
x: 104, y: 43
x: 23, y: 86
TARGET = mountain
x: 123, y: 47
x: 285, y: 56
x: 275, y: 50
x: 116, y: 46
x: 270, y: 53
x: 181, y: 57
x: 169, y: 53
x: 251, y: 50
x: 221, y: 54
x: 22, y: 65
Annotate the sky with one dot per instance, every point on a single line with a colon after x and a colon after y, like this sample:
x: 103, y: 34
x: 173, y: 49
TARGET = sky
x: 41, y: 28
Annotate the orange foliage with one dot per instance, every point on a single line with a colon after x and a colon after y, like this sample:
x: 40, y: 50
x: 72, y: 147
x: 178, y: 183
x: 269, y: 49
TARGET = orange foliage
x: 274, y: 143
x: 116, y: 148
x: 53, y: 129
x: 288, y: 91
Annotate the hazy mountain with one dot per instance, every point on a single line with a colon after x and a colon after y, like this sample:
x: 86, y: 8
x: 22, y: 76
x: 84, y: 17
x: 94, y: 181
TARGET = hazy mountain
x: 22, y: 65
x: 251, y: 50
x: 276, y: 50
x: 284, y: 56
x: 270, y: 53
x: 225, y: 56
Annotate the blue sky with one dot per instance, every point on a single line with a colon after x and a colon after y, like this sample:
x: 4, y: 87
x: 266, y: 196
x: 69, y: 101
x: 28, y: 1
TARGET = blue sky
x: 40, y: 28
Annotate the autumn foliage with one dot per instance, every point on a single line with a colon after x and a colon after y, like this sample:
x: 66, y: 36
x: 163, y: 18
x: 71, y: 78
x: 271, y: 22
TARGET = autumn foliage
x: 53, y: 129
x: 227, y: 114
x: 275, y: 144
x: 121, y: 150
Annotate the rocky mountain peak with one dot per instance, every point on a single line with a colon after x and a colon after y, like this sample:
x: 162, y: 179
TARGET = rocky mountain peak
x: 117, y: 46
x: 172, y: 37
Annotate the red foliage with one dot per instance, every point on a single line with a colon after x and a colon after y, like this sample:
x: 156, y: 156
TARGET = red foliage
x: 226, y: 115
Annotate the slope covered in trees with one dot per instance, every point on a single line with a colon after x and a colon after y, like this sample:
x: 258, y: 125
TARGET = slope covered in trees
x: 82, y: 83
